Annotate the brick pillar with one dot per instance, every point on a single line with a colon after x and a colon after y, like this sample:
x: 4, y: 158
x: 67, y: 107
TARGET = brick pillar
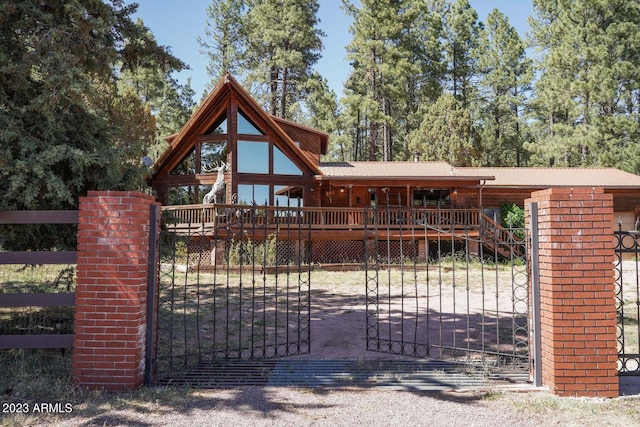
x: 111, y: 290
x: 577, y: 291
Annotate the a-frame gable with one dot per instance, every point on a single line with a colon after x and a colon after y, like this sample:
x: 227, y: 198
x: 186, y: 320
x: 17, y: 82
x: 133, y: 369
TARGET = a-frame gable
x: 268, y: 124
x: 211, y: 109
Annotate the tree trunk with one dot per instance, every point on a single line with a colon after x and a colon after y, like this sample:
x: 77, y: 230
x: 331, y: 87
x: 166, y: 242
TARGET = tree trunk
x: 274, y: 90
x: 283, y: 95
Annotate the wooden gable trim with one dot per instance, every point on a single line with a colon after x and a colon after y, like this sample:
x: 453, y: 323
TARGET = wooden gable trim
x: 209, y: 111
x: 268, y: 122
x: 229, y: 95
x: 323, y: 136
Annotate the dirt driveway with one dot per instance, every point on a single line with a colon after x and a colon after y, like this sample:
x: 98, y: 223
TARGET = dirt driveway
x: 268, y: 406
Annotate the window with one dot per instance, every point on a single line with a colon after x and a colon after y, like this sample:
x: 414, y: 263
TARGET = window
x: 431, y: 197
x: 187, y: 166
x: 181, y: 195
x: 246, y: 127
x: 282, y: 165
x: 288, y: 196
x: 253, y: 193
x: 219, y: 128
x: 253, y: 157
x: 212, y: 153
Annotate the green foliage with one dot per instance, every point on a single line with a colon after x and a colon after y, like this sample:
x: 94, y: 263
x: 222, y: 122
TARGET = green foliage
x: 65, y: 125
x: 581, y: 111
x: 506, y: 75
x: 225, y: 40
x: 444, y: 134
x: 273, y: 45
x: 586, y: 105
x: 384, y: 71
x: 511, y: 215
x: 462, y: 36
x: 247, y: 252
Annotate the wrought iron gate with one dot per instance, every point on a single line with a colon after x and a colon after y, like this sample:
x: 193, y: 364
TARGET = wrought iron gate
x: 234, y: 286
x: 627, y: 274
x: 447, y: 284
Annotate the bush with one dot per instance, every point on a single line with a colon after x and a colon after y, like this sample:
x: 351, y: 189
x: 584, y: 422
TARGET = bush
x: 512, y: 217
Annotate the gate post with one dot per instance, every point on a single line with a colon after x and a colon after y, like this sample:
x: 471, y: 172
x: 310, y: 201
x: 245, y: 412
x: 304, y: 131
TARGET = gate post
x: 577, y: 291
x: 111, y: 290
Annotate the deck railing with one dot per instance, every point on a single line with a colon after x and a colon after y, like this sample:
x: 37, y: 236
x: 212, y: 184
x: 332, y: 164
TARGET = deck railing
x: 324, y: 218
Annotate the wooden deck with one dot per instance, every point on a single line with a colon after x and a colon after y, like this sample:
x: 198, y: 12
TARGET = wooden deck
x: 332, y: 223
x: 340, y: 224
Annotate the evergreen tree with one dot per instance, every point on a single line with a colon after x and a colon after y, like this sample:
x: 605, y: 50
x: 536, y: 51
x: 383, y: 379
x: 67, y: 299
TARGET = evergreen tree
x: 505, y: 79
x: 320, y: 105
x: 177, y: 107
x: 382, y: 69
x: 270, y: 45
x: 283, y: 45
x: 586, y: 105
x: 225, y: 42
x: 423, y: 38
x: 445, y: 134
x: 462, y: 36
x: 60, y: 110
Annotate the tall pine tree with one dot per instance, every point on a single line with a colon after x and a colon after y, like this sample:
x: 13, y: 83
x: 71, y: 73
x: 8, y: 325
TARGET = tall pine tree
x: 505, y: 80
x: 586, y: 106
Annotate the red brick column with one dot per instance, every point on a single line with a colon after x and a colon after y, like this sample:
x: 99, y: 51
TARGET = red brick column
x: 577, y: 291
x: 111, y: 290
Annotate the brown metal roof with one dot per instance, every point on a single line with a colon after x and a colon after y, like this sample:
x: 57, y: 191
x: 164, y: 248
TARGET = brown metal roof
x: 495, y: 177
x: 556, y: 177
x: 397, y: 170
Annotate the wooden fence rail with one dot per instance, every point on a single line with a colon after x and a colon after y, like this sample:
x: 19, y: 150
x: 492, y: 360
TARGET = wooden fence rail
x: 37, y: 300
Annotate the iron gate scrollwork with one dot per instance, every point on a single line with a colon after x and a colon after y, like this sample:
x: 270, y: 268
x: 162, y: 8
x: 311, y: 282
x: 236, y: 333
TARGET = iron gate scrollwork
x: 446, y: 284
x: 234, y: 286
x: 627, y: 282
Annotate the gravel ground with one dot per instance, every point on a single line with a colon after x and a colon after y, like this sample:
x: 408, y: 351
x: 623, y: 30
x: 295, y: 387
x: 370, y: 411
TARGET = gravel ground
x: 268, y: 406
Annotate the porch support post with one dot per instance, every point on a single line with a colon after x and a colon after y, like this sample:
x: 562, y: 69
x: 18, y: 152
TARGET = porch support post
x: 217, y: 253
x: 422, y: 249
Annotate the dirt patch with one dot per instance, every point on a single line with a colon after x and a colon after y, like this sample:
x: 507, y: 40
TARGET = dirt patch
x: 437, y: 316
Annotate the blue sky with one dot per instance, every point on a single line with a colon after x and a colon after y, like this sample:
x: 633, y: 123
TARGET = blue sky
x: 177, y: 23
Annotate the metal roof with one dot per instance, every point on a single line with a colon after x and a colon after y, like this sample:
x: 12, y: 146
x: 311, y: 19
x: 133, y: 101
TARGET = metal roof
x: 556, y: 177
x: 523, y: 177
x: 397, y: 170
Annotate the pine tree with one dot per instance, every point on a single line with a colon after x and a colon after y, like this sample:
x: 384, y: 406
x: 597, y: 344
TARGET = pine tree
x: 225, y: 41
x: 585, y: 106
x: 283, y: 44
x: 382, y: 68
x: 462, y: 36
x: 505, y: 78
x: 445, y: 134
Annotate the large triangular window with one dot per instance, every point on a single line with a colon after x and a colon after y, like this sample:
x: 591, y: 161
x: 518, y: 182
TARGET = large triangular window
x: 187, y: 166
x: 219, y: 127
x: 282, y: 165
x: 246, y: 127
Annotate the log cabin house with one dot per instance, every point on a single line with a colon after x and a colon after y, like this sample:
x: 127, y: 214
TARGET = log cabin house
x: 273, y: 161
